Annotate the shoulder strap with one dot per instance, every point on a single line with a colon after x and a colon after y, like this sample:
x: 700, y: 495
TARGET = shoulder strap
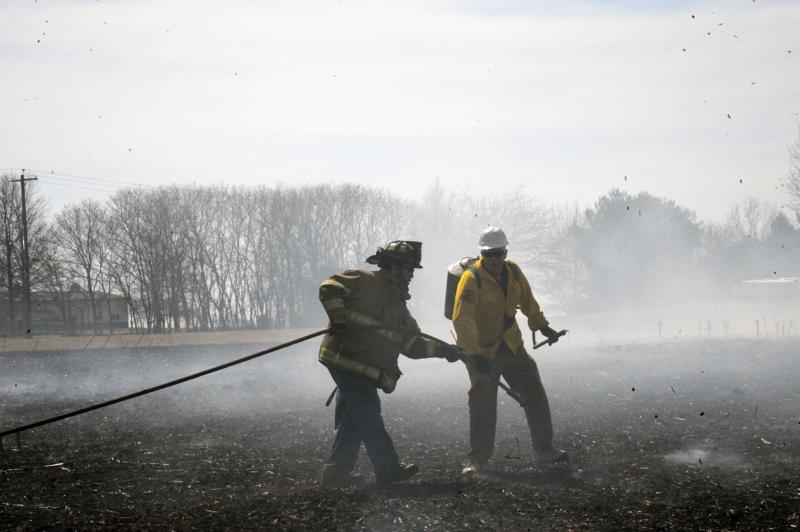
x: 475, y: 274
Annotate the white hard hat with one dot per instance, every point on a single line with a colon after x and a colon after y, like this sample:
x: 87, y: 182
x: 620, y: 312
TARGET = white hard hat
x: 492, y: 237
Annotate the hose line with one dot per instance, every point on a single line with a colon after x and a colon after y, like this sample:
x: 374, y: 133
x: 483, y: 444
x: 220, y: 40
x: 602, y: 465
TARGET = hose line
x: 161, y: 386
x: 208, y: 371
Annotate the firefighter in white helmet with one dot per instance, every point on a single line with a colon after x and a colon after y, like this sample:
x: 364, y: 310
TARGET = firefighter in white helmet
x: 488, y: 295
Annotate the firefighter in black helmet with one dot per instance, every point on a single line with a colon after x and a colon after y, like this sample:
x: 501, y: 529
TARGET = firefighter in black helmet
x: 362, y: 358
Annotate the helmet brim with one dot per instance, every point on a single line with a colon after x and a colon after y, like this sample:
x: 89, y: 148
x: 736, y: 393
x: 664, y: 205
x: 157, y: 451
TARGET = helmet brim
x: 375, y: 259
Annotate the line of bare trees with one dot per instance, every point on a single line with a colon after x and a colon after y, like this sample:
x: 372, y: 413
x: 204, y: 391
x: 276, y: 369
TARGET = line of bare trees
x: 205, y: 258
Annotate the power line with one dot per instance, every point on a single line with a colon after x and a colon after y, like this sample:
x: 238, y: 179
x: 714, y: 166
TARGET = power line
x: 98, y: 180
x: 70, y: 185
x: 80, y: 178
x: 81, y: 181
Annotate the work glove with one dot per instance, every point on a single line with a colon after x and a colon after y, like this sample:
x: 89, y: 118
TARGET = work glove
x: 550, y: 333
x: 452, y: 353
x: 482, y: 364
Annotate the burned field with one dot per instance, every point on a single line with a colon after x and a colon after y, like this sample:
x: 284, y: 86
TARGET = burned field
x: 669, y: 435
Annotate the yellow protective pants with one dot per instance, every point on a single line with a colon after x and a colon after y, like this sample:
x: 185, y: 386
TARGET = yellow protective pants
x: 520, y: 372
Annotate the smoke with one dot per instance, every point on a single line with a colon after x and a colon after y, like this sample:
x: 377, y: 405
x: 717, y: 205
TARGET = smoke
x: 706, y: 457
x: 90, y: 376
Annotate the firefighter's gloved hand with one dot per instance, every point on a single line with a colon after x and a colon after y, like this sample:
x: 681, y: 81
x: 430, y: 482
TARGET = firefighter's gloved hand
x: 452, y: 353
x: 550, y: 333
x: 482, y: 364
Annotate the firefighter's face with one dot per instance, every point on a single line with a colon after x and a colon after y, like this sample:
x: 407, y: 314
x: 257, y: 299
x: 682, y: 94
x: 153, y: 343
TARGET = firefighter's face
x: 493, y: 259
x: 403, y: 273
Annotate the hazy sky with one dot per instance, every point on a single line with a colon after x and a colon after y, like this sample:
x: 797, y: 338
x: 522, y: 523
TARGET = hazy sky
x: 683, y: 98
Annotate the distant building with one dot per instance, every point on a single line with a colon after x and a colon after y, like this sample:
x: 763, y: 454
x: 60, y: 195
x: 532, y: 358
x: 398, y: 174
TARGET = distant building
x: 771, y: 288
x: 70, y: 313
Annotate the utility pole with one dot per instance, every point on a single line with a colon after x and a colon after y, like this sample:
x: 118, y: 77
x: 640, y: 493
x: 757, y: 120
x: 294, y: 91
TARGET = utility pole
x: 26, y: 273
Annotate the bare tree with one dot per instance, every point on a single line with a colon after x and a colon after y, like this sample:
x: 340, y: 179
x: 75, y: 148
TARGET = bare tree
x: 85, y: 246
x: 565, y: 278
x: 750, y: 219
x: 59, y: 278
x: 137, y: 255
x: 9, y: 212
x: 12, y: 256
x: 793, y: 179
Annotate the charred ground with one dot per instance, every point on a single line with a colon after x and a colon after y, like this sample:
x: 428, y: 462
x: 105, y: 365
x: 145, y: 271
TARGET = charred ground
x: 668, y: 435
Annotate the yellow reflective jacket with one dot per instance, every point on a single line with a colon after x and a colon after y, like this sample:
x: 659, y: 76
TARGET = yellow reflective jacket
x: 483, y: 315
x: 360, y: 297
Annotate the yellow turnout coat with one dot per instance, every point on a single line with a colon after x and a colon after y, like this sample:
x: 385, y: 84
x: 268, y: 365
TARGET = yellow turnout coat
x: 483, y: 314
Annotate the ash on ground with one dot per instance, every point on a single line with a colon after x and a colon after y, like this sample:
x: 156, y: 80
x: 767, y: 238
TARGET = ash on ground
x: 701, y: 434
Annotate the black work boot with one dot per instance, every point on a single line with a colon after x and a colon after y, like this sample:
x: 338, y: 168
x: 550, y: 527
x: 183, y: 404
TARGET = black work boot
x: 334, y: 477
x: 403, y: 472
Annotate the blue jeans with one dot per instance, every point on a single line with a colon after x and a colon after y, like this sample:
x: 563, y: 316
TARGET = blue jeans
x: 358, y: 419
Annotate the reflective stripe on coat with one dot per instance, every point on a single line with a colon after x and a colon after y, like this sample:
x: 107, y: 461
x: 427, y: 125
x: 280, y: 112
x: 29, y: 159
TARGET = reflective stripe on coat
x: 367, y: 298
